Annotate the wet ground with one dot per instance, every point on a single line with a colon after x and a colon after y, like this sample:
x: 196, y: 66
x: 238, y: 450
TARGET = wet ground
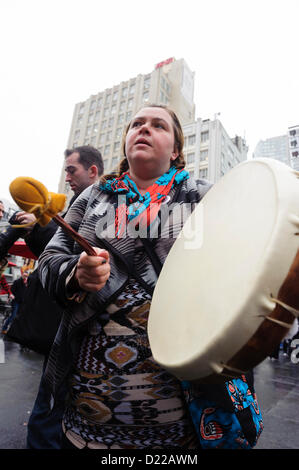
x: 276, y: 381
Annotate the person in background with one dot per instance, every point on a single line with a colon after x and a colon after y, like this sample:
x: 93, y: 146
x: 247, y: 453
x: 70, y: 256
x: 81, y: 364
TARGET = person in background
x: 4, y: 286
x: 83, y: 167
x: 18, y: 290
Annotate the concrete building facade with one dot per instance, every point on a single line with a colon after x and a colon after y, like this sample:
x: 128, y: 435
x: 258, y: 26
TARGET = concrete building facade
x: 101, y: 120
x: 274, y: 147
x: 209, y: 151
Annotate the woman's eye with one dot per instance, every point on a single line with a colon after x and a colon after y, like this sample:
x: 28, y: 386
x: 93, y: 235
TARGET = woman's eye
x: 136, y: 124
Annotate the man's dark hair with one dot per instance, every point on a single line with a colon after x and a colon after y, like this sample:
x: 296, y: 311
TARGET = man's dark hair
x: 87, y: 156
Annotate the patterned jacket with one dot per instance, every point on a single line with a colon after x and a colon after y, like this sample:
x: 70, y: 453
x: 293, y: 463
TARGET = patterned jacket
x: 56, y: 263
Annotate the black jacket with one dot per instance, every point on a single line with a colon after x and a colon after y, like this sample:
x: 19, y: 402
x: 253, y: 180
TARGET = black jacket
x: 39, y: 316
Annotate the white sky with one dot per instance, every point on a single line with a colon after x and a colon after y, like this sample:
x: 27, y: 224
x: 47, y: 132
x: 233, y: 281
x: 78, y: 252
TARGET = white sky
x: 56, y: 53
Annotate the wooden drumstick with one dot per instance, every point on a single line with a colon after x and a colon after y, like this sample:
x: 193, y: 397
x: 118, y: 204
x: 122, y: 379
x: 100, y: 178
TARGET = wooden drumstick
x: 75, y: 235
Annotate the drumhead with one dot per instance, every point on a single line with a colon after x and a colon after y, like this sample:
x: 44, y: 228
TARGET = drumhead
x: 233, y: 253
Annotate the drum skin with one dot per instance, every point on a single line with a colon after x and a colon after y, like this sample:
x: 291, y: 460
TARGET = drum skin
x: 213, y: 307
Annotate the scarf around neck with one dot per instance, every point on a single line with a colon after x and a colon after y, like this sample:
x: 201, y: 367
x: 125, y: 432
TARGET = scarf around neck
x: 143, y: 207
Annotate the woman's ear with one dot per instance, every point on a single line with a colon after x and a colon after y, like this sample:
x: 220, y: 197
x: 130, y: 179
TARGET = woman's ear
x: 174, y: 154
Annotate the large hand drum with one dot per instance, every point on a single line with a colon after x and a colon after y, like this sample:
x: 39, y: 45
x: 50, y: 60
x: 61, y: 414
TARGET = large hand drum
x: 226, y: 297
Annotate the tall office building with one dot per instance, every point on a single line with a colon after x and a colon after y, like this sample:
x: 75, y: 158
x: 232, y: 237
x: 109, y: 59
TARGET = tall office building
x: 274, y: 147
x: 101, y: 119
x: 209, y: 151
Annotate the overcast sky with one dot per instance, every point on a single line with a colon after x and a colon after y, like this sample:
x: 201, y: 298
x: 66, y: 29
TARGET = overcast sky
x: 56, y: 53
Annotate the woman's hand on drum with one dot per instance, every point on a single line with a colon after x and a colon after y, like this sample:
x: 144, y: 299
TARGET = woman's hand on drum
x: 93, y: 272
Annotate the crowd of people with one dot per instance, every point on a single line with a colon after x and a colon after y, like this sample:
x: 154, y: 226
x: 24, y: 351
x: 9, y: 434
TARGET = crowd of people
x: 100, y: 386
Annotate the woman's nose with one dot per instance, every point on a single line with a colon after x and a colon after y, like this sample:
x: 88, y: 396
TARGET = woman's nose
x: 144, y: 128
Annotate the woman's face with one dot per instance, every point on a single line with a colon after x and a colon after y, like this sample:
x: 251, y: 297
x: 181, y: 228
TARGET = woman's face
x: 150, y: 143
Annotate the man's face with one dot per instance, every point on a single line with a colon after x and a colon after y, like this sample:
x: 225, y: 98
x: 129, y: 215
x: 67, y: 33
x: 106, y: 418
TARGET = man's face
x: 1, y: 210
x: 76, y: 175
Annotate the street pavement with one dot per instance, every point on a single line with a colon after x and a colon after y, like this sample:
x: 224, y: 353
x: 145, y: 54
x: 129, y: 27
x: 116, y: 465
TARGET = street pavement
x: 276, y: 383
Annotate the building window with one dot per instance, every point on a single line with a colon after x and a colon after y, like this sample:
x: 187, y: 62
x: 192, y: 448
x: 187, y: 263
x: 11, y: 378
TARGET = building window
x: 77, y: 135
x: 106, y: 149
x: 116, y: 146
x: 95, y: 128
x: 90, y: 118
x: 113, y: 109
x: 104, y: 124
x: 110, y: 122
x: 105, y: 162
x: 191, y: 139
x: 79, y: 122
x: 88, y: 130
x: 93, y: 140
x: 102, y: 138
x: 130, y: 103
x: 100, y: 100
x: 204, y: 155
x: 204, y: 136
x: 124, y: 92
x: 191, y: 158
x: 128, y: 116
x: 106, y: 112
x: 81, y: 109
x: 97, y: 116
x: 132, y: 89
x: 122, y: 106
x: 109, y: 135
x: 115, y: 95
x: 108, y: 98
x: 92, y: 105
x: 118, y: 132
x: 203, y: 173
x: 146, y: 83
x: 120, y: 119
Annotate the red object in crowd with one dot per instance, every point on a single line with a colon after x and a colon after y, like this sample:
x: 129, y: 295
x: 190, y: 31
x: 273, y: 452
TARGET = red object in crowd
x: 20, y: 248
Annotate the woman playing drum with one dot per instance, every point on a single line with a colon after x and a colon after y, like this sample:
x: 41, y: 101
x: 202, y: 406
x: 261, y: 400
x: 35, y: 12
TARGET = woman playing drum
x: 119, y: 397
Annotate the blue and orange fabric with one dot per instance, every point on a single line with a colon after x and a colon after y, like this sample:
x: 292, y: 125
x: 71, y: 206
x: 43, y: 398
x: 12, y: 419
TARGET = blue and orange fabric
x: 143, y: 207
x: 218, y: 427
